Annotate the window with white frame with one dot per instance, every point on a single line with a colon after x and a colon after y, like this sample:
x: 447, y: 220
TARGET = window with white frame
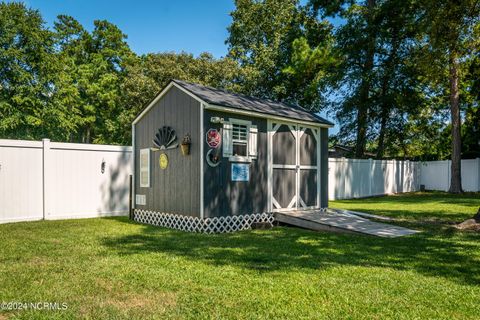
x: 145, y: 168
x: 239, y: 140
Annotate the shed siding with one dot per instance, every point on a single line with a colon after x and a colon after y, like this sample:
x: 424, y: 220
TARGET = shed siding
x: 224, y: 197
x: 177, y: 188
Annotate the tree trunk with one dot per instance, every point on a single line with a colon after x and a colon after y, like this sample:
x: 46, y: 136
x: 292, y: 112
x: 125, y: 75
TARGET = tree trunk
x: 364, y: 94
x: 381, y: 137
x: 386, y: 106
x: 86, y: 137
x: 456, y: 173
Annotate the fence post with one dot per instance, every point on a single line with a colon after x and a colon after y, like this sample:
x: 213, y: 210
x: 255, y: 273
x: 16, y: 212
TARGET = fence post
x: 343, y: 177
x: 370, y: 165
x: 46, y: 176
x: 449, y: 165
x: 130, y: 198
x: 478, y: 172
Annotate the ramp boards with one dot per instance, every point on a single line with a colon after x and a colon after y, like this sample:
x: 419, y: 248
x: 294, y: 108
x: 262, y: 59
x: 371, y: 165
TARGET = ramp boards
x: 337, y: 220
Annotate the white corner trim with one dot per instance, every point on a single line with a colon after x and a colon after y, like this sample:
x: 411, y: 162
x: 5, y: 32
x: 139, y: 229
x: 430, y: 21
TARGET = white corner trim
x: 202, y: 173
x: 160, y: 95
x: 270, y: 200
x: 133, y: 167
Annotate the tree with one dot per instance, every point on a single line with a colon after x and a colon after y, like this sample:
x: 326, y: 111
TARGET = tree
x: 471, y: 127
x: 449, y: 41
x: 357, y: 40
x: 148, y: 74
x: 89, y: 82
x: 261, y: 39
x: 25, y: 74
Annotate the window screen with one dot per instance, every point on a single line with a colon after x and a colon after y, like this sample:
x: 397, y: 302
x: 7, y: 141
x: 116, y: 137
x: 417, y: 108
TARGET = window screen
x: 239, y: 138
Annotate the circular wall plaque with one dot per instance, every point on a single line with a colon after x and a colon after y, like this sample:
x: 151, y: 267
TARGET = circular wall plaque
x: 213, y: 138
x: 163, y: 161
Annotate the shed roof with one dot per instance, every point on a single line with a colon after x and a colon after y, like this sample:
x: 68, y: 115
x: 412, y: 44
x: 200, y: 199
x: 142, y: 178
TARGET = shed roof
x: 247, y: 103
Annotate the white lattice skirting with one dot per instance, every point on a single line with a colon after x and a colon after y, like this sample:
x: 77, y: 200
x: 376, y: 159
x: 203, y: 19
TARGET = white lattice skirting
x: 207, y: 225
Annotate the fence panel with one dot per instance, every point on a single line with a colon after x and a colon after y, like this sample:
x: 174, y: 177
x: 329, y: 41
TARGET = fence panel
x: 435, y: 175
x: 79, y: 186
x: 47, y: 180
x: 21, y: 187
x: 358, y: 178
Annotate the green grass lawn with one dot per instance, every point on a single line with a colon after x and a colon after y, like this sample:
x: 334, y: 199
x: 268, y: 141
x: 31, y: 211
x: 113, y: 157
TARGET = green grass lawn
x: 115, y: 269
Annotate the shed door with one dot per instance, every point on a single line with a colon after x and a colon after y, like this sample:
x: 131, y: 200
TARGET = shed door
x: 309, y: 165
x: 294, y: 166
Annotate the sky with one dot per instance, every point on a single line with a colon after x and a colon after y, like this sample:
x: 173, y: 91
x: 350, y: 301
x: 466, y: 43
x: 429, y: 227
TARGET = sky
x: 153, y: 26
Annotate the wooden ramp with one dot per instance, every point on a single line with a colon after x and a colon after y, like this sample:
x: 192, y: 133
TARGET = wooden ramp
x: 340, y: 221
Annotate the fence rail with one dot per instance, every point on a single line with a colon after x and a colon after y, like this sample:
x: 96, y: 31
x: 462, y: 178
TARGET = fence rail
x: 50, y: 180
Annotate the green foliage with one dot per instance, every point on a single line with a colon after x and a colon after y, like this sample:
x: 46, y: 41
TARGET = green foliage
x: 25, y: 73
x: 383, y: 71
x: 261, y: 38
x: 311, y: 69
x: 148, y: 74
x: 69, y: 84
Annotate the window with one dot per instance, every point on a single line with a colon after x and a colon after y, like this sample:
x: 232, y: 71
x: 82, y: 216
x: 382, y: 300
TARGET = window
x: 145, y: 168
x: 239, y: 140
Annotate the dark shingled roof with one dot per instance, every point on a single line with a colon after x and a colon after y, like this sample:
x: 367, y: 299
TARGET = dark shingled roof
x: 243, y: 102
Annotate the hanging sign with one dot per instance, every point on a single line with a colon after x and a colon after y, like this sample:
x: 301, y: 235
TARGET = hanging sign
x: 213, y: 138
x: 163, y: 161
x: 240, y: 172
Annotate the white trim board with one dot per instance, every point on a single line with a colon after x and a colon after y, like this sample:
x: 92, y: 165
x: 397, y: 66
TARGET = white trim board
x: 132, y: 204
x: 202, y: 157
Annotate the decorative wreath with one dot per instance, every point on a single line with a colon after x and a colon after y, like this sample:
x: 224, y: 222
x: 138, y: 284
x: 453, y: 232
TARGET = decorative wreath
x: 213, y: 159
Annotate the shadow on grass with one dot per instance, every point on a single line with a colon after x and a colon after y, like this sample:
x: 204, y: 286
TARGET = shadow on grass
x: 446, y: 254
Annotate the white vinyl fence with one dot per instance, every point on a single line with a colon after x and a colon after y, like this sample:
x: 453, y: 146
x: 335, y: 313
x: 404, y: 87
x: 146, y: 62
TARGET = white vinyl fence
x: 49, y: 180
x: 358, y: 178
x: 435, y: 175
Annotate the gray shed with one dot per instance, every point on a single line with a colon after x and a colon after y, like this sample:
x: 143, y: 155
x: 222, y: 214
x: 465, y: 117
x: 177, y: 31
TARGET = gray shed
x: 211, y: 161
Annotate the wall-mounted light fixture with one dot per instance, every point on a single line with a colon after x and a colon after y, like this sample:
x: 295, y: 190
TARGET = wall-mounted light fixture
x: 102, y: 166
x: 216, y: 120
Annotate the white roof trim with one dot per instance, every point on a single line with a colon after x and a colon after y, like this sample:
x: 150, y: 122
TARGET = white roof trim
x: 160, y: 95
x: 264, y: 115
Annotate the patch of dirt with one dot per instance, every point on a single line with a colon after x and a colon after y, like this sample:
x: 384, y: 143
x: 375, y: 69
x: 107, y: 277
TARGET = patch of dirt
x: 39, y: 261
x: 470, y: 224
x: 114, y: 296
x: 160, y: 300
x: 3, y: 316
